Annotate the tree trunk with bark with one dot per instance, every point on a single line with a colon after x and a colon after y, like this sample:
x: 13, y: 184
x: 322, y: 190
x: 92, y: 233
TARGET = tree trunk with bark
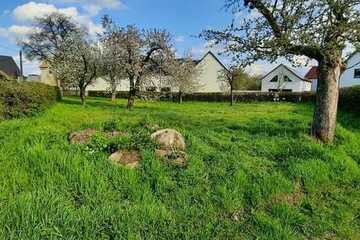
x: 83, y: 95
x: 231, y: 95
x: 324, y: 123
x: 180, y: 97
x: 132, y: 94
x: 61, y: 90
x: 113, y: 96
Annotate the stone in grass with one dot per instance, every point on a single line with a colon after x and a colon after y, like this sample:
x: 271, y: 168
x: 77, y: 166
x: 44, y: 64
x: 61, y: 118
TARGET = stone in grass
x: 169, y: 139
x: 82, y: 137
x: 126, y: 158
x: 178, y: 158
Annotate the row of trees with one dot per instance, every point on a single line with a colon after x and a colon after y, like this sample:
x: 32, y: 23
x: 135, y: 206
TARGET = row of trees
x: 118, y: 53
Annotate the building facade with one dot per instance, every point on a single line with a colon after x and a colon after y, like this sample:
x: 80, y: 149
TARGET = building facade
x: 284, y: 79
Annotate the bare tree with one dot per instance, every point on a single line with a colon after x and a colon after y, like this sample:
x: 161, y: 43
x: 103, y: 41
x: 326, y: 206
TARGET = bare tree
x: 317, y: 29
x: 79, y: 63
x: 45, y: 43
x: 111, y: 68
x: 227, y: 78
x: 183, y: 75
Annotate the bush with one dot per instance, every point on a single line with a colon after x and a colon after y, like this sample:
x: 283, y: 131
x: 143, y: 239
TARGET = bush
x: 18, y: 99
x: 350, y: 99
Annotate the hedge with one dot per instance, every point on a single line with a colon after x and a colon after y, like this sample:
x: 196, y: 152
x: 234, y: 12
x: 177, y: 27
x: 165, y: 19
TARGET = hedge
x: 19, y: 99
x: 349, y: 97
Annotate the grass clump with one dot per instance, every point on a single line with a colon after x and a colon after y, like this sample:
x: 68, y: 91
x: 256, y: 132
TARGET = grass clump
x: 252, y: 172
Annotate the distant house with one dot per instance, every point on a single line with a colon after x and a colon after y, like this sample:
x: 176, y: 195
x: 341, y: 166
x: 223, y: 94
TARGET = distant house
x: 312, y: 75
x: 350, y: 77
x: 46, y: 76
x: 8, y: 67
x: 284, y: 79
x: 209, y: 67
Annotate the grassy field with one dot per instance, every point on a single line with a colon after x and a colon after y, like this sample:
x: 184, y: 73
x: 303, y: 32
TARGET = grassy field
x: 253, y: 173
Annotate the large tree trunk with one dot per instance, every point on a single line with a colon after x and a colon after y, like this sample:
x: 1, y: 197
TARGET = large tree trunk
x: 132, y: 94
x: 61, y: 90
x: 83, y: 95
x: 324, y: 123
x: 131, y: 100
x: 231, y: 95
x: 113, y: 96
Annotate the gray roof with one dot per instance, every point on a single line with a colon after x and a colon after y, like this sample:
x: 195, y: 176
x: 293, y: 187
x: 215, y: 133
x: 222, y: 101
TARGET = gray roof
x: 8, y: 66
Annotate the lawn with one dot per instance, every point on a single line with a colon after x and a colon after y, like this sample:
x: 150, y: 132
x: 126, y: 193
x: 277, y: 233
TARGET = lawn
x: 252, y: 173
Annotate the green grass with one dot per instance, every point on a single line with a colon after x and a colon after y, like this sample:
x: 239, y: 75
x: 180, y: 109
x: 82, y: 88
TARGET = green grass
x: 253, y: 173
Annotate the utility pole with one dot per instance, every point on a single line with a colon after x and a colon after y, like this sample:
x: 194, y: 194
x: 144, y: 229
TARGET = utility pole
x: 21, y: 66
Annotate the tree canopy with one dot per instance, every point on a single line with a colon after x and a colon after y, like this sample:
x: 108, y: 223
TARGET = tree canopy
x: 269, y: 29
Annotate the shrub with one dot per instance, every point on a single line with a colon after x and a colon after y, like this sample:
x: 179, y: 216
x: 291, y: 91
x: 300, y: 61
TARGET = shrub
x: 18, y: 99
x: 350, y: 99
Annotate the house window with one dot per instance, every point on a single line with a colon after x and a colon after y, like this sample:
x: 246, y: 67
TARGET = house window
x: 151, y: 89
x: 287, y: 79
x: 165, y: 89
x: 357, y: 73
x: 273, y: 90
x: 275, y: 79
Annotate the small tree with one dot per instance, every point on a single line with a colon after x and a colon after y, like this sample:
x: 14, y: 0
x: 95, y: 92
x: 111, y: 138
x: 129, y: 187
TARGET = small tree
x: 183, y: 75
x: 79, y: 63
x: 317, y: 29
x: 45, y: 42
x: 111, y: 68
x: 227, y: 77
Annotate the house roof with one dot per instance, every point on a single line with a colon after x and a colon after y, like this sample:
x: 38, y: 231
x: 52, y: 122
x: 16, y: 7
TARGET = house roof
x: 289, y: 69
x: 214, y: 56
x: 44, y: 64
x: 8, y: 66
x: 312, y: 73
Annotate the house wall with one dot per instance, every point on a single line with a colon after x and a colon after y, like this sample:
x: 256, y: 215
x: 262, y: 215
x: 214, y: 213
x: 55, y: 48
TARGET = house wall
x: 209, y: 69
x: 347, y: 78
x: 101, y: 85
x: 297, y: 84
x: 47, y: 78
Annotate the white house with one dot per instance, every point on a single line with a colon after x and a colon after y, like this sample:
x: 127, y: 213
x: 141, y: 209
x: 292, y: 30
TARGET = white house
x: 350, y: 77
x: 209, y: 68
x: 284, y: 79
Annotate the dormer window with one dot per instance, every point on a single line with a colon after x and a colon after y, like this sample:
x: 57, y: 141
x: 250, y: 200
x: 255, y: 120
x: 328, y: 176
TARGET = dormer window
x: 357, y: 73
x: 287, y: 79
x: 275, y: 79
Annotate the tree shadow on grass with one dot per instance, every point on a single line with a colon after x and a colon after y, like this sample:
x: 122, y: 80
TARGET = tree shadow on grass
x: 350, y: 121
x: 272, y: 127
x: 92, y: 103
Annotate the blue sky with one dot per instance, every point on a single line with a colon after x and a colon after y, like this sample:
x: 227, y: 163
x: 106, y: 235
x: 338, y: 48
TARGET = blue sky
x: 185, y: 19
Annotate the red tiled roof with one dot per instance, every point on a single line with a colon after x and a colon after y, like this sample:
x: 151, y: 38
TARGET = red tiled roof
x: 313, y: 73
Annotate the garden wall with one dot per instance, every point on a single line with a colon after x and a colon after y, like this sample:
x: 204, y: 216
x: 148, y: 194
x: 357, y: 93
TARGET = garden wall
x: 18, y: 99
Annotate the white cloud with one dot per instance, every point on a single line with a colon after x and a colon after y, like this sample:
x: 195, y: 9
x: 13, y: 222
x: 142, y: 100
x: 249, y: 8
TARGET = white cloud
x: 180, y: 39
x: 93, y: 7
x: 4, y: 32
x: 32, y: 10
x: 29, y: 11
x: 20, y: 30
